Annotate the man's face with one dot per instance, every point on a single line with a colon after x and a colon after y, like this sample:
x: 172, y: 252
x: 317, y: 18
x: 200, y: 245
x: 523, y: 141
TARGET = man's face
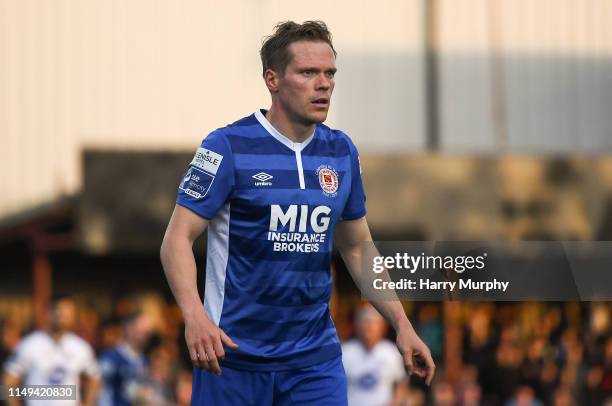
x: 371, y: 328
x: 63, y: 315
x: 304, y: 90
x: 139, y: 331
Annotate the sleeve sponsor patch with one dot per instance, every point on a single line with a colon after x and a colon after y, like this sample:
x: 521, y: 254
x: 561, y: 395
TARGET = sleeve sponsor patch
x: 207, y: 160
x: 196, y: 182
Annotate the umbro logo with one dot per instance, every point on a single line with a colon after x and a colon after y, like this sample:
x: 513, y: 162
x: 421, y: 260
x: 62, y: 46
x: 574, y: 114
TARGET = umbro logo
x: 262, y: 176
x: 263, y: 179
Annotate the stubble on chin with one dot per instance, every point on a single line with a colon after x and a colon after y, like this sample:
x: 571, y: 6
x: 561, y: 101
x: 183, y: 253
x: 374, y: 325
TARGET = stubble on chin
x: 311, y: 119
x: 318, y: 118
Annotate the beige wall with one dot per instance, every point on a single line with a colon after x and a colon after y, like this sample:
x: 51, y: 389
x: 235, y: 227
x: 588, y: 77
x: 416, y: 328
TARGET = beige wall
x: 553, y: 62
x: 160, y: 74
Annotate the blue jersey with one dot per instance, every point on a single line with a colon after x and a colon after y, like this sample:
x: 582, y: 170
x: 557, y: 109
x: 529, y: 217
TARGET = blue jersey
x: 122, y: 370
x: 272, y: 205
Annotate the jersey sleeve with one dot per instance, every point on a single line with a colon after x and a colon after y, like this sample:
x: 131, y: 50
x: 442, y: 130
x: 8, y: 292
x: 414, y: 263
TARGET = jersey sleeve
x: 355, y: 205
x: 90, y: 365
x: 209, y: 180
x: 19, y: 362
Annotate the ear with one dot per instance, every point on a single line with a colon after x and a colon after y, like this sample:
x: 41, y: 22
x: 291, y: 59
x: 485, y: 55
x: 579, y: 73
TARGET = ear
x: 271, y: 79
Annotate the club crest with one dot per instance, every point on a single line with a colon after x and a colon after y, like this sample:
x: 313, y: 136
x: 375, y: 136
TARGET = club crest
x: 328, y: 180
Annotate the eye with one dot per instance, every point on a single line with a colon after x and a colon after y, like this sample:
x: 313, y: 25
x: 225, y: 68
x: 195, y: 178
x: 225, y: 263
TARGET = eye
x: 330, y: 74
x: 308, y: 73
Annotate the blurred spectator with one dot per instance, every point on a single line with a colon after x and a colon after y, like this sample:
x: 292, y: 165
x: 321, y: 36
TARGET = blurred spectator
x: 124, y: 367
x: 56, y: 357
x: 549, y: 380
x: 407, y: 396
x: 155, y: 388
x: 524, y: 396
x: 563, y: 397
x: 479, y: 347
x: 373, y: 364
x: 507, y: 374
x: 469, y: 391
x: 599, y: 379
x: 532, y: 365
x: 472, y: 395
x: 443, y: 394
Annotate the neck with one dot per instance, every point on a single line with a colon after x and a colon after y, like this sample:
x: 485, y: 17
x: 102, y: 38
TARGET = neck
x: 132, y: 347
x: 368, y: 345
x: 290, y: 128
x: 56, y: 334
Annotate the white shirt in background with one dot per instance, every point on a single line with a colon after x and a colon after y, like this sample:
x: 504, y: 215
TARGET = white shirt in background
x: 371, y: 375
x: 40, y: 360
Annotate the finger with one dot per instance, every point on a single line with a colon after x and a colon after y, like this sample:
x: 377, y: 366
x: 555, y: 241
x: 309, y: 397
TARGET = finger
x: 420, y: 371
x: 203, y: 358
x: 228, y: 341
x: 424, y: 366
x: 408, y: 362
x: 212, y: 360
x: 431, y: 368
x: 419, y: 364
x: 218, y: 347
x: 193, y: 354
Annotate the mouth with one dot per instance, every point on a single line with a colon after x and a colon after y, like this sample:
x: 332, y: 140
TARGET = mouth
x: 321, y: 102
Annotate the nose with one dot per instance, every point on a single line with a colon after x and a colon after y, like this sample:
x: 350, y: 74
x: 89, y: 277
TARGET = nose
x: 323, y: 82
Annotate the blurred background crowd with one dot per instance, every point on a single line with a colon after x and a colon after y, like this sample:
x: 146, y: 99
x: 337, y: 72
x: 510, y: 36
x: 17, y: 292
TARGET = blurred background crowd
x: 510, y: 354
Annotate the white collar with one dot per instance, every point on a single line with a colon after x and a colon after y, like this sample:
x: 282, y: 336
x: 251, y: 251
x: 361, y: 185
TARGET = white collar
x: 49, y: 337
x: 295, y: 146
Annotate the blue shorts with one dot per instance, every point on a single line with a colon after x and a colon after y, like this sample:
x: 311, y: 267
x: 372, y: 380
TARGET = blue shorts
x: 322, y: 384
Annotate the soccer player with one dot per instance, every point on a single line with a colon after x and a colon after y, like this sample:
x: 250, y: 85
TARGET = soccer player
x: 373, y: 364
x: 124, y: 367
x: 56, y: 357
x: 272, y: 189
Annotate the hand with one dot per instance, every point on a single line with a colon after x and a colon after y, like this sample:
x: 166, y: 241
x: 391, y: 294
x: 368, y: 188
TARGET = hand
x: 205, y: 342
x: 417, y: 357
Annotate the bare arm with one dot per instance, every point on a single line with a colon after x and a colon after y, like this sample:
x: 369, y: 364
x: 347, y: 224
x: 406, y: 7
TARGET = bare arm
x: 349, y: 236
x: 11, y: 380
x: 91, y: 390
x: 204, y: 339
